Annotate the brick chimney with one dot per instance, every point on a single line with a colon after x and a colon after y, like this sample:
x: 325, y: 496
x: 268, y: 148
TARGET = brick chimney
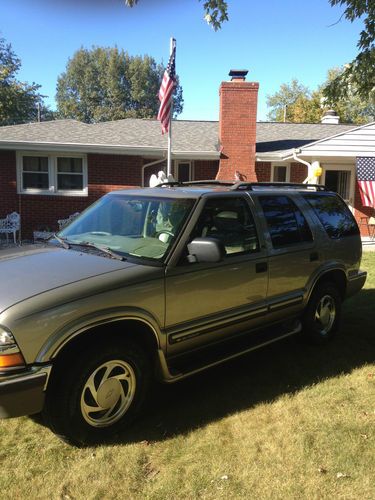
x: 237, y: 127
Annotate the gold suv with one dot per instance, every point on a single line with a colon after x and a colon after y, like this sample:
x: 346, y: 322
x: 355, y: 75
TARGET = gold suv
x: 167, y: 282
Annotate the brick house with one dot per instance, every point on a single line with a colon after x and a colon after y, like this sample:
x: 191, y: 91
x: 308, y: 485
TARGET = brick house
x: 50, y: 170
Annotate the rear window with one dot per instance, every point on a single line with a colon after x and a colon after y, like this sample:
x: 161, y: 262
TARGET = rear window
x: 286, y: 223
x: 334, y: 215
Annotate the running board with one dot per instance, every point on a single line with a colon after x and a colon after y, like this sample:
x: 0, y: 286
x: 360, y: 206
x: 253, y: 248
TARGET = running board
x: 213, y: 356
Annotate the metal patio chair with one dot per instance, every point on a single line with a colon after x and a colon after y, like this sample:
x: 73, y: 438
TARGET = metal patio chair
x: 10, y: 225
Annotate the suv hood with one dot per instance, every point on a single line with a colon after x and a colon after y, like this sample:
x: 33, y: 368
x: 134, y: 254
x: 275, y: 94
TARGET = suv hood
x: 29, y: 273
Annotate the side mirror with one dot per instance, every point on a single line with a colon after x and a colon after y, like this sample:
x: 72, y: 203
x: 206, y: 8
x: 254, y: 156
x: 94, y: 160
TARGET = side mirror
x: 206, y: 250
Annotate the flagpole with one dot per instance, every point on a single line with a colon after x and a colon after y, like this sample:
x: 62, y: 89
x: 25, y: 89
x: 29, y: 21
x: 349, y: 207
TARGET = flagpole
x: 172, y: 44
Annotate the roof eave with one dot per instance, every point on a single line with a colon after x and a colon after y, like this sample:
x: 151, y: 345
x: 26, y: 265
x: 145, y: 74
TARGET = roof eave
x: 151, y: 152
x: 334, y: 153
x: 279, y: 156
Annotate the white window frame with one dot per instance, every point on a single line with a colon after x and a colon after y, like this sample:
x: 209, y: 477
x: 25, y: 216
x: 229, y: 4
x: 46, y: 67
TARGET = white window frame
x: 177, y: 166
x: 279, y: 164
x: 52, y: 174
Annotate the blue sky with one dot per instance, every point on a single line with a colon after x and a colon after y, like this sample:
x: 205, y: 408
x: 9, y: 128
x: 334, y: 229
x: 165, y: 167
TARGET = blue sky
x: 275, y: 40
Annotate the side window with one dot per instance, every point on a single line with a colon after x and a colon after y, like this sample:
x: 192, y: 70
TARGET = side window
x: 334, y: 215
x: 231, y: 221
x: 286, y: 223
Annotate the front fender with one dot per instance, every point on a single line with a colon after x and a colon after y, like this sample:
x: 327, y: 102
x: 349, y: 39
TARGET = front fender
x: 67, y: 332
x: 42, y: 323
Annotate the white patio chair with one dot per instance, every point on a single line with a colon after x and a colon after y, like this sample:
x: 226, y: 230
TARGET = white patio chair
x: 10, y: 225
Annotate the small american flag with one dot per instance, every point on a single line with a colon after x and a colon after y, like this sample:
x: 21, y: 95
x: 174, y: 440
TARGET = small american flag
x: 366, y: 180
x: 166, y: 91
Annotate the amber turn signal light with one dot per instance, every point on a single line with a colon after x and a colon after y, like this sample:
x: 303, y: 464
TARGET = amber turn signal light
x: 11, y: 360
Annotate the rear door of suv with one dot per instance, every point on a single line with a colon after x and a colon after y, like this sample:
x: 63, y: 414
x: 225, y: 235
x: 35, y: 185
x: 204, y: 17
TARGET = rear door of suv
x: 293, y: 251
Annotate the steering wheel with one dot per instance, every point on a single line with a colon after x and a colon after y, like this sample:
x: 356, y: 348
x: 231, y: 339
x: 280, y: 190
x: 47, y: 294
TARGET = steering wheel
x: 166, y: 232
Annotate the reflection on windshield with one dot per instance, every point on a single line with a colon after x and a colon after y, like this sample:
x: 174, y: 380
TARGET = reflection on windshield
x: 139, y: 227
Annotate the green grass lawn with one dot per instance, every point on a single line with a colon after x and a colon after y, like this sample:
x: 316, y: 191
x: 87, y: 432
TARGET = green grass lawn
x: 288, y: 421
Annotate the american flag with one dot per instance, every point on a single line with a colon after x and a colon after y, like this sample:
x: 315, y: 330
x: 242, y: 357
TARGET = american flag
x: 366, y: 180
x: 166, y: 91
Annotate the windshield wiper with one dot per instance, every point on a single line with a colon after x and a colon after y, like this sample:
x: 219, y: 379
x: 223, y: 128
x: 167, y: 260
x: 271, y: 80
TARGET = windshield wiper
x: 62, y: 242
x: 105, y: 250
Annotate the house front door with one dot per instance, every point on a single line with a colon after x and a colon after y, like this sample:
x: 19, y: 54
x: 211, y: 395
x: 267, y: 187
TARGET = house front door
x: 341, y: 180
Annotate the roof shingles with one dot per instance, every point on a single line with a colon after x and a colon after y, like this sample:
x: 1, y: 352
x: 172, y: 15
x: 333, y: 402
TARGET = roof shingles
x: 188, y: 136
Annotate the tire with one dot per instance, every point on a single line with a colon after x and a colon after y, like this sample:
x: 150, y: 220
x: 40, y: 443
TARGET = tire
x: 322, y: 315
x: 97, y: 393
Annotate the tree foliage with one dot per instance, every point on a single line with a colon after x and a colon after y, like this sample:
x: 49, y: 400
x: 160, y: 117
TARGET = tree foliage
x: 298, y: 104
x: 360, y: 73
x: 103, y: 84
x: 215, y: 11
x: 19, y: 101
x: 283, y: 101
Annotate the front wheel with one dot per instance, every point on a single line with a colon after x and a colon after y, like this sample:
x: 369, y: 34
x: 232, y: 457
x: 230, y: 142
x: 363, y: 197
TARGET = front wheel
x: 322, y: 315
x: 98, y: 394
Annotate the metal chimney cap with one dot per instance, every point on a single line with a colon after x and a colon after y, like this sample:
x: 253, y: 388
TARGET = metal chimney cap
x: 330, y: 112
x: 238, y: 74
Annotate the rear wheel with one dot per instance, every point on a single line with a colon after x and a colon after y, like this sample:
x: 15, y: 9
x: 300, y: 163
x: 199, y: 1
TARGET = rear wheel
x: 97, y: 394
x: 322, y: 315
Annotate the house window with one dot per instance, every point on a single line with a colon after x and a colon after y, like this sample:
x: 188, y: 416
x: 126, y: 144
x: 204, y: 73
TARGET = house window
x: 69, y: 174
x: 52, y: 174
x: 35, y: 172
x: 184, y: 171
x: 280, y: 173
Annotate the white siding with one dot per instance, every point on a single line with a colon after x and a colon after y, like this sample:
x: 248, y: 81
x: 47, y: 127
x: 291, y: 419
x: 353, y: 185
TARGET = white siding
x: 357, y: 142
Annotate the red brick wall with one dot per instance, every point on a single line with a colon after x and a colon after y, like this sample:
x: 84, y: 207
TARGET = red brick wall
x: 204, y: 170
x: 109, y: 172
x: 263, y: 171
x: 237, y: 129
x: 298, y: 172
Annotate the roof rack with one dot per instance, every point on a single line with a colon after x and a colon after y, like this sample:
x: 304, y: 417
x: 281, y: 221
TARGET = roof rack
x: 214, y: 182
x: 196, y: 183
x: 251, y: 186
x: 247, y: 186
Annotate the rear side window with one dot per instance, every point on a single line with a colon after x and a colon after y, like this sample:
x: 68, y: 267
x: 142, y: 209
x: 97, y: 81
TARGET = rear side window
x: 286, y: 223
x: 334, y: 214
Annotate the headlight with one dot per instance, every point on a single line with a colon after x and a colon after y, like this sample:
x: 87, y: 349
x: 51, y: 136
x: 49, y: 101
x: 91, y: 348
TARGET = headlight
x: 6, y: 338
x: 10, y: 355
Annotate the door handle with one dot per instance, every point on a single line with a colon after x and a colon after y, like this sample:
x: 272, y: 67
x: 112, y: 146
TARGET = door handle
x: 261, y: 267
x: 314, y: 256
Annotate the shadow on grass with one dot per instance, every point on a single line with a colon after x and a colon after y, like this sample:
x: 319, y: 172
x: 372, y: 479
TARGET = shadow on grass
x: 261, y: 376
x: 258, y: 377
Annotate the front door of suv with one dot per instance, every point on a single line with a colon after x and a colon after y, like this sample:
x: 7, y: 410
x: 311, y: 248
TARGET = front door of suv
x: 208, y: 301
x: 293, y: 254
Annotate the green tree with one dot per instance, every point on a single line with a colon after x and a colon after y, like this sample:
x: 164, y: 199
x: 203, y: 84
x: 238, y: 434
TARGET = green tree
x: 19, y: 101
x: 215, y: 11
x: 305, y: 106
x: 103, y: 84
x: 283, y: 101
x: 360, y: 73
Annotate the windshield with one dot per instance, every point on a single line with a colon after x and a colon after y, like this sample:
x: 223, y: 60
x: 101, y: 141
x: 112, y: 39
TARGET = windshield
x: 131, y: 226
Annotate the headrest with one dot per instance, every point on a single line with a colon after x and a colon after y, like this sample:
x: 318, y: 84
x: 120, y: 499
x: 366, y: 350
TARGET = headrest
x: 227, y: 215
